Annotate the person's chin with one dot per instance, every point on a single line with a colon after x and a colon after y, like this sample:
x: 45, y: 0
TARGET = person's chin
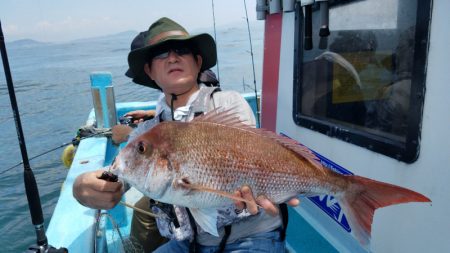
x: 182, y: 81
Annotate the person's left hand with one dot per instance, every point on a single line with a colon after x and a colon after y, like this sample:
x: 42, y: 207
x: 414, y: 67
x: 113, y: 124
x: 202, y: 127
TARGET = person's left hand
x: 252, y: 206
x: 140, y: 115
x: 120, y: 133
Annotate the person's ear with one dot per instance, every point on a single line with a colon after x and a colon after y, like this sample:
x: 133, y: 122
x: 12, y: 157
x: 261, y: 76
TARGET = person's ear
x: 148, y: 70
x: 199, y: 61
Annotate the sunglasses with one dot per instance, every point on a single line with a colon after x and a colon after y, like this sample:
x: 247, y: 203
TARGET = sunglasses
x: 180, y: 51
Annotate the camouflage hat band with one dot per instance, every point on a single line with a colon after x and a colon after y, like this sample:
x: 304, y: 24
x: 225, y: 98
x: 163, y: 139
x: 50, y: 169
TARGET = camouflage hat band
x: 162, y: 36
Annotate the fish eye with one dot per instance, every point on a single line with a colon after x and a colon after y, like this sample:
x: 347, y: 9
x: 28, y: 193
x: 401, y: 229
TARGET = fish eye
x: 141, y: 148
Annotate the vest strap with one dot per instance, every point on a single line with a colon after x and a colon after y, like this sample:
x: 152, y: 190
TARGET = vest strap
x: 284, y: 218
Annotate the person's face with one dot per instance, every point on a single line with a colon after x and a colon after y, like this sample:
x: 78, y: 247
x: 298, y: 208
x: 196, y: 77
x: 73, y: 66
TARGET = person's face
x: 175, y: 70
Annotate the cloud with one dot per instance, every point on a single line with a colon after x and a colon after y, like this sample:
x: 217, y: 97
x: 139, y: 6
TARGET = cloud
x: 44, y: 25
x: 11, y: 29
x: 68, y: 24
x: 50, y: 21
x: 67, y: 28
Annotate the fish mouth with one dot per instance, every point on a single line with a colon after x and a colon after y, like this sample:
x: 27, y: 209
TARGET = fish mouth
x: 114, y: 167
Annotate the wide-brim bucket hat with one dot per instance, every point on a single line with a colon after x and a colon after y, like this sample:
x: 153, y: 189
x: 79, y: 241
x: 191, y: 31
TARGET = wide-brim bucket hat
x: 163, y: 32
x: 137, y: 43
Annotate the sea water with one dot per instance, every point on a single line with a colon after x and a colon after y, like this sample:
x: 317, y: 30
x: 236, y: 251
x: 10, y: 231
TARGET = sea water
x: 52, y: 86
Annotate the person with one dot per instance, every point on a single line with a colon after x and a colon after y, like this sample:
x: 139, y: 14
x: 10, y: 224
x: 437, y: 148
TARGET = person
x: 207, y: 77
x: 389, y: 111
x: 171, y: 61
x: 144, y: 232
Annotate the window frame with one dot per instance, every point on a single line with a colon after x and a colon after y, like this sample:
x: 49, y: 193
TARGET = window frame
x: 407, y: 151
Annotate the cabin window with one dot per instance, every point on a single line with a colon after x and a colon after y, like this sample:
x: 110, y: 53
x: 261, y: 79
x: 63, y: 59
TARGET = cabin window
x: 365, y: 82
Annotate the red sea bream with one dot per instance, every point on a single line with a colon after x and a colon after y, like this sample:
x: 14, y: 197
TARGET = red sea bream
x: 201, y: 163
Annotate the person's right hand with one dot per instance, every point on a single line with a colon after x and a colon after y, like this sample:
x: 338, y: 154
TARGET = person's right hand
x: 140, y: 115
x: 97, y: 193
x: 252, y: 205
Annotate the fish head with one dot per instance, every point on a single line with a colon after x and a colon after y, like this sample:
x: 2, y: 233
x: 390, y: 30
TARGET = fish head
x: 145, y: 166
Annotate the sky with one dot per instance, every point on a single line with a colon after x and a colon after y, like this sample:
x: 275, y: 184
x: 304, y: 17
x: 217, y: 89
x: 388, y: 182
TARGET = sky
x: 64, y: 20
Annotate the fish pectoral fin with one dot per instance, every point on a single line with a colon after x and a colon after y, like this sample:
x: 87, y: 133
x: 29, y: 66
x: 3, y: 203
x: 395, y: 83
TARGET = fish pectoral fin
x: 206, y: 218
x: 185, y: 183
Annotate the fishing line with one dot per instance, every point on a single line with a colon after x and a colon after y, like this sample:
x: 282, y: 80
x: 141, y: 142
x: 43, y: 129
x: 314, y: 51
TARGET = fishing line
x: 128, y: 245
x: 75, y: 141
x: 140, y: 210
x: 215, y: 38
x: 253, y: 65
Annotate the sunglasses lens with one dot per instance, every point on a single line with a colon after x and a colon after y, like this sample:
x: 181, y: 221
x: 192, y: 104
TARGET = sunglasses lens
x: 161, y: 55
x: 180, y: 51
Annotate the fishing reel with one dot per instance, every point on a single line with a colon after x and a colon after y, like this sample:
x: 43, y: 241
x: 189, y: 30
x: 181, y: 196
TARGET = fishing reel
x: 127, y: 120
x: 109, y: 176
x: 45, y: 249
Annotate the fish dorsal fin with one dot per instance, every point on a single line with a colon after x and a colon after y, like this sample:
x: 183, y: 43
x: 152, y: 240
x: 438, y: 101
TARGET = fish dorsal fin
x: 300, y: 149
x: 229, y: 118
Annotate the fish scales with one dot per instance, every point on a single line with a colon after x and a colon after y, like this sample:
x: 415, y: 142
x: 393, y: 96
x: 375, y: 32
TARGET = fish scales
x: 225, y: 158
x: 200, y: 165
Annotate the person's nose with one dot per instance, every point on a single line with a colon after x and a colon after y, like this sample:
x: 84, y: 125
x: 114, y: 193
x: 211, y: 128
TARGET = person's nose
x: 172, y: 57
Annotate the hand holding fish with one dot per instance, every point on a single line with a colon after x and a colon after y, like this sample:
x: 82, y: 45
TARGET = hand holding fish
x: 91, y: 191
x: 246, y: 193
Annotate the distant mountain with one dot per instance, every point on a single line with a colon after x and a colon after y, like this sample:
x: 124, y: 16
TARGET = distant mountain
x: 239, y: 31
x: 255, y: 26
x: 125, y: 34
x: 27, y: 43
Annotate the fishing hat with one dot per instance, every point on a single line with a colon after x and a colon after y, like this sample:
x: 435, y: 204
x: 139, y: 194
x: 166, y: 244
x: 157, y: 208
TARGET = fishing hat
x: 161, y: 33
x: 137, y: 42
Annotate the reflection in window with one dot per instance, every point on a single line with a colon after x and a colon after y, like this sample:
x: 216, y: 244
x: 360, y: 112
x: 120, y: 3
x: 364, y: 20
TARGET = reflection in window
x: 360, y: 79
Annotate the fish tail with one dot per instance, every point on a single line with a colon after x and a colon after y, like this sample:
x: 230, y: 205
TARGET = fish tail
x: 365, y: 196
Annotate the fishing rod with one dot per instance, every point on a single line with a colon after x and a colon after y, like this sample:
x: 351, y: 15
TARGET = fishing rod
x: 258, y: 113
x: 215, y: 38
x: 31, y: 189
